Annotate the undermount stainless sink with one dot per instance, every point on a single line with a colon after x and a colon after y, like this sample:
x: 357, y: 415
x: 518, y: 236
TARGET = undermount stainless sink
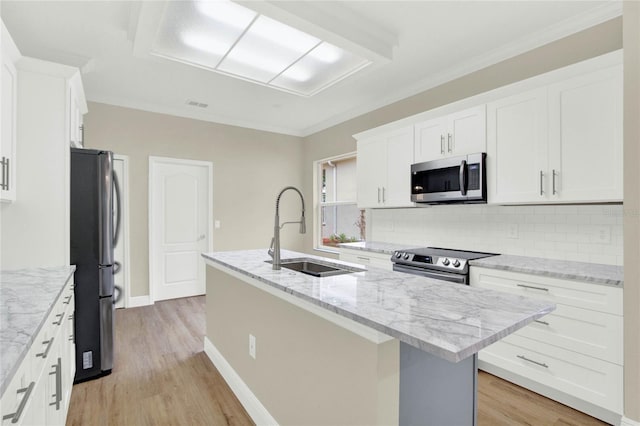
x: 317, y: 268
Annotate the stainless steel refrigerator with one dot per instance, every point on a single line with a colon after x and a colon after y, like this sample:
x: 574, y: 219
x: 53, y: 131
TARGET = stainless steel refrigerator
x: 95, y: 227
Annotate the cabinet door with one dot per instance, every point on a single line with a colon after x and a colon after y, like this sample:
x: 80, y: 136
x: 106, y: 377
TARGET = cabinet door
x: 8, y: 132
x: 517, y: 148
x: 399, y: 153
x: 371, y: 171
x: 467, y: 131
x: 585, y: 137
x: 430, y: 140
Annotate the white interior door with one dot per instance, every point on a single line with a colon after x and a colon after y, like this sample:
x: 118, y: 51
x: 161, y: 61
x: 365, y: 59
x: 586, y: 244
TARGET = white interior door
x: 179, y: 208
x: 121, y: 249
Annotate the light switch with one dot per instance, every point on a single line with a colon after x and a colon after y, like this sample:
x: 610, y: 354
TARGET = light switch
x: 216, y: 224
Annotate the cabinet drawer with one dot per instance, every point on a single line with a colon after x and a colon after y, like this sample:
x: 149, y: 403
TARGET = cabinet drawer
x: 586, y: 378
x: 590, y: 333
x: 17, y: 394
x: 377, y: 260
x: 562, y: 292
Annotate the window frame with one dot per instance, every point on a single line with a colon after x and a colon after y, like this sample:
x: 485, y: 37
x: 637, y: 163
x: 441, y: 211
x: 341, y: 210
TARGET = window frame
x: 318, y: 204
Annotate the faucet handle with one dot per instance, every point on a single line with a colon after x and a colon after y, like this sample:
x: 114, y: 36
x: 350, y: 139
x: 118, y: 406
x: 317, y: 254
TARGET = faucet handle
x: 270, y: 251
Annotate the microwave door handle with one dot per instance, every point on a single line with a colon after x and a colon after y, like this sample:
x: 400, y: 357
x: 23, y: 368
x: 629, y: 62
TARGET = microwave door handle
x: 463, y: 177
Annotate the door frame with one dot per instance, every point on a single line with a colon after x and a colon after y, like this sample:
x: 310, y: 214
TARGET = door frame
x: 124, y: 191
x: 153, y: 162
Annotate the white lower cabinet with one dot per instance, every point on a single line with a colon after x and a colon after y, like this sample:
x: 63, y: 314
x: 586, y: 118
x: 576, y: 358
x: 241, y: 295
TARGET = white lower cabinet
x: 40, y: 391
x: 574, y: 354
x: 367, y: 258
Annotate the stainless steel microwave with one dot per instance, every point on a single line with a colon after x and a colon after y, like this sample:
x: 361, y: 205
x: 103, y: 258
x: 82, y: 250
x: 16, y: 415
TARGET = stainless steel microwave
x: 450, y: 180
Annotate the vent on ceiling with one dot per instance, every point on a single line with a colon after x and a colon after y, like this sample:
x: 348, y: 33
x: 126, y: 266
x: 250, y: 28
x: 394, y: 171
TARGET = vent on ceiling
x: 196, y: 104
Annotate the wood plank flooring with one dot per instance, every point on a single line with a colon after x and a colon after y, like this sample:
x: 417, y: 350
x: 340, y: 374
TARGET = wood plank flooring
x: 163, y: 377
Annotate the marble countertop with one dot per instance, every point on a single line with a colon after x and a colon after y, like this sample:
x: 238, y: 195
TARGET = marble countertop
x: 595, y: 273
x: 448, y: 320
x: 376, y: 247
x: 26, y: 299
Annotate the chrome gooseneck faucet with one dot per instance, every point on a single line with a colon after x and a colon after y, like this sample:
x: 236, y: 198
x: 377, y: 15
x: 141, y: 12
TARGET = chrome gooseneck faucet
x: 274, y: 250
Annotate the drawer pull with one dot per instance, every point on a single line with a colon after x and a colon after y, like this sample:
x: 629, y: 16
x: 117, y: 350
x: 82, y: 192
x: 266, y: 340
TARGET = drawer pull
x: 57, y: 370
x: 532, y: 287
x: 67, y: 300
x: 59, y: 322
x: 27, y: 393
x: 363, y: 258
x: 46, y: 351
x: 541, y: 364
x: 541, y: 322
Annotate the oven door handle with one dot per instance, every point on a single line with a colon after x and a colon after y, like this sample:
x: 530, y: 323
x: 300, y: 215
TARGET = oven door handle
x: 463, y: 177
x: 451, y: 277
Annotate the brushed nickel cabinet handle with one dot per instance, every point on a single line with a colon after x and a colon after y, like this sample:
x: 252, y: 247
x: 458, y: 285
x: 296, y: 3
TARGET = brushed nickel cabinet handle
x: 449, y: 142
x: 378, y: 195
x: 67, y: 300
x: 541, y: 364
x: 532, y: 287
x: 57, y: 370
x: 46, y: 351
x: 15, y: 417
x: 384, y: 198
x: 541, y: 177
x: 60, y: 317
x: 541, y: 322
x: 441, y: 144
x: 553, y: 181
x: 363, y: 258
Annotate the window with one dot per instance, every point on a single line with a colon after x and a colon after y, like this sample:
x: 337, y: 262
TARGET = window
x: 338, y: 218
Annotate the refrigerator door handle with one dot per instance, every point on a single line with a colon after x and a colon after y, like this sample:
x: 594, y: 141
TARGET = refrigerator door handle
x: 106, y: 333
x: 106, y: 280
x: 105, y: 213
x: 116, y: 187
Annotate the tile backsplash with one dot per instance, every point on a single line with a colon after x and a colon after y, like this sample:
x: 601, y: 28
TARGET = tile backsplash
x: 586, y: 233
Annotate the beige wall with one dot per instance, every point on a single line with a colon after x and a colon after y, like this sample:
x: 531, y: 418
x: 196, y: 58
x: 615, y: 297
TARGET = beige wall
x: 307, y: 370
x: 632, y: 209
x: 249, y: 169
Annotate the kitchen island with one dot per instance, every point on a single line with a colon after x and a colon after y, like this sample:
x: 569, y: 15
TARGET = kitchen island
x: 370, y: 347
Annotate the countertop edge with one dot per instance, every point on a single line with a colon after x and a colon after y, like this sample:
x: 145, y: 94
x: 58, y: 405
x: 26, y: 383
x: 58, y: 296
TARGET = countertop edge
x: 491, y: 263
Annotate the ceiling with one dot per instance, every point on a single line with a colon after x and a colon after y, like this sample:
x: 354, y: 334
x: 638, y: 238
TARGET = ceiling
x: 414, y: 45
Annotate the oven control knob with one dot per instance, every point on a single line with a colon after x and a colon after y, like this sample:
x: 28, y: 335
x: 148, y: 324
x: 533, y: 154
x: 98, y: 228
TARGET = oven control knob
x: 405, y: 256
x: 398, y: 255
x: 446, y: 262
x: 456, y: 263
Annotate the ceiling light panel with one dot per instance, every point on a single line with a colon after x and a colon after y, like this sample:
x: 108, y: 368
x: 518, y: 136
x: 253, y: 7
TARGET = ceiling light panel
x: 229, y: 38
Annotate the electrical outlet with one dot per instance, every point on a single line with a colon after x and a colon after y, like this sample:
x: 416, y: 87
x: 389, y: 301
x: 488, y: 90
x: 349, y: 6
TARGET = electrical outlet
x: 252, y: 346
x: 216, y: 224
x: 602, y: 234
x: 512, y: 230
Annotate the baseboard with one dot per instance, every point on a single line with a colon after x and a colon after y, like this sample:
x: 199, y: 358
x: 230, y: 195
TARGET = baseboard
x: 249, y: 401
x: 628, y: 422
x: 134, y: 302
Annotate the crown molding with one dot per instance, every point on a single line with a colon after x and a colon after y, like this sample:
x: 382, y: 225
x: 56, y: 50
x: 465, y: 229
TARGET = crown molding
x: 550, y: 34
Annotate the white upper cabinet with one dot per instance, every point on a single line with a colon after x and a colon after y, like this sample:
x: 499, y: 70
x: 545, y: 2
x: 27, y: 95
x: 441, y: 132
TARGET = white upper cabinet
x: 558, y: 144
x: 517, y: 147
x: 384, y: 169
x: 585, y: 137
x: 76, y: 109
x: 8, y: 111
x: 460, y: 133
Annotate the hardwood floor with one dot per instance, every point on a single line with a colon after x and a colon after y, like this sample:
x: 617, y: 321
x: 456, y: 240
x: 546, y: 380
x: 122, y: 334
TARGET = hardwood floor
x: 161, y: 374
x: 163, y: 377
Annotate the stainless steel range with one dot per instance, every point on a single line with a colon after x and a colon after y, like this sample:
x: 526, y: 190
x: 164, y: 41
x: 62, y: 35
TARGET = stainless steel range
x: 440, y: 263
